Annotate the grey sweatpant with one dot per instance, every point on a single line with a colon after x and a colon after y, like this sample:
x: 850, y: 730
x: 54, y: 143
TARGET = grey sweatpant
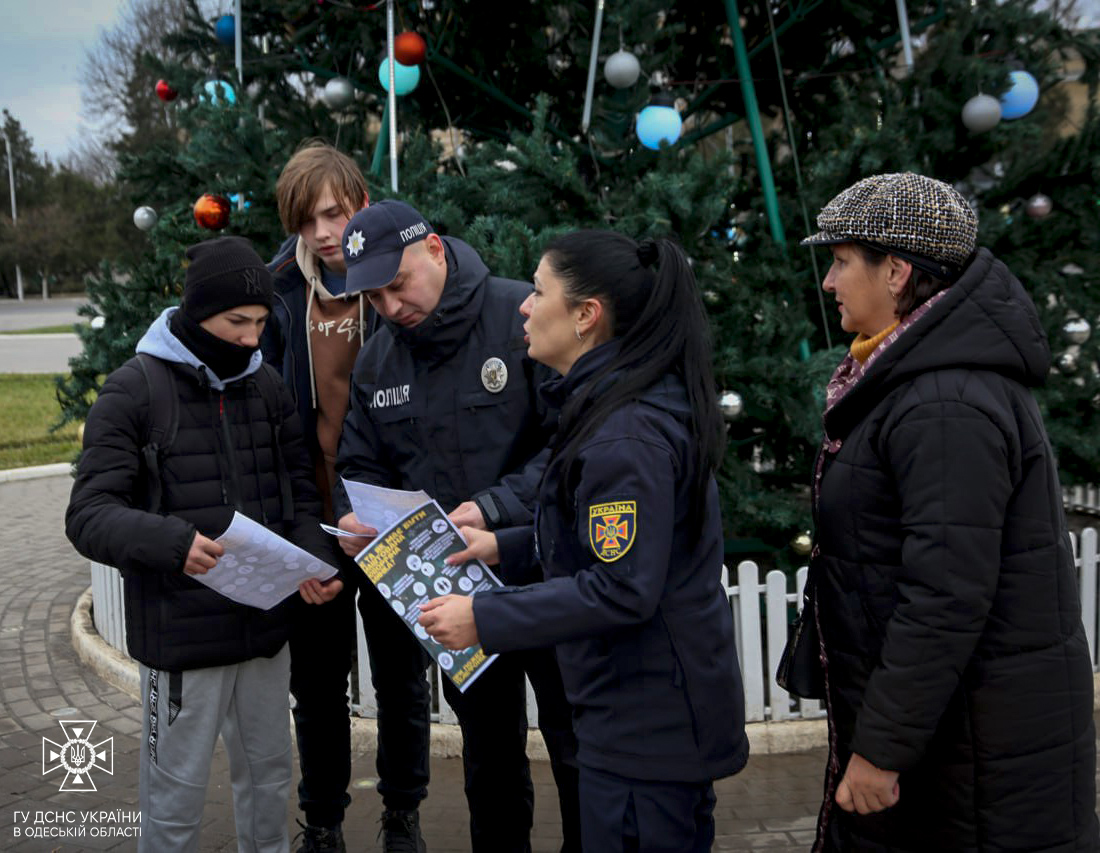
x: 248, y: 704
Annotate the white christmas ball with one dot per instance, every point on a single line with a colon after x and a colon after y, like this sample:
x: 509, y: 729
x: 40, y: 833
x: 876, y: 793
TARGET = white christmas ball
x: 1039, y: 206
x: 622, y: 69
x: 338, y: 93
x: 981, y: 113
x: 145, y: 217
x: 1077, y: 330
x: 98, y: 322
x: 731, y: 404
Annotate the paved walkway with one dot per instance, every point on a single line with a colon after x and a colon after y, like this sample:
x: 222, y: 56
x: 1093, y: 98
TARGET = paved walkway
x: 48, y: 353
x: 770, y: 806
x: 34, y: 313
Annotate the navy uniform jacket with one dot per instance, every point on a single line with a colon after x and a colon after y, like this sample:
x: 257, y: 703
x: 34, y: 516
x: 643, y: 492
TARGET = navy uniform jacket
x: 430, y: 406
x: 632, y: 598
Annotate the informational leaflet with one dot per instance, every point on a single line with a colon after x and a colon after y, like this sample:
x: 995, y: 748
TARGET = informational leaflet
x: 260, y: 568
x: 381, y: 508
x: 405, y: 563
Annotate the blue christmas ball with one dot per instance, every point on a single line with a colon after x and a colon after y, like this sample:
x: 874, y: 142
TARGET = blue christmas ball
x: 658, y: 123
x: 218, y: 93
x: 1021, y: 96
x: 235, y: 200
x: 225, y: 30
x: 405, y: 77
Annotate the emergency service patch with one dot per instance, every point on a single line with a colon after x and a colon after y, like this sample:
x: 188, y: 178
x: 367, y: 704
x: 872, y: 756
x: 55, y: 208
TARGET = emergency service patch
x: 611, y: 528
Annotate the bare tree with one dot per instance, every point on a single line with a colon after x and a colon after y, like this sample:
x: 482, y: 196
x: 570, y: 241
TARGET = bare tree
x: 114, y: 76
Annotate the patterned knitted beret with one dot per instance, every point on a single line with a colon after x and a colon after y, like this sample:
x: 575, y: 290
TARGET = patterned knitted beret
x: 902, y: 211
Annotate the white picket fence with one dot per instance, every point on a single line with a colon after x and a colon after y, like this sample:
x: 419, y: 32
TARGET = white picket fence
x: 761, y: 614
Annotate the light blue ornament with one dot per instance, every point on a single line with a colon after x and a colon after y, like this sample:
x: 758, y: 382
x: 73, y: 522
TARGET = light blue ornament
x: 235, y: 198
x: 218, y: 93
x: 659, y: 122
x: 1021, y: 96
x: 225, y: 30
x: 405, y: 77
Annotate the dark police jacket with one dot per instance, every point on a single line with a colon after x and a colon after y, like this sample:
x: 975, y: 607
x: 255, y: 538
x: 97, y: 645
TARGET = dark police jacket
x: 632, y: 597
x: 224, y: 457
x: 946, y: 589
x: 451, y: 405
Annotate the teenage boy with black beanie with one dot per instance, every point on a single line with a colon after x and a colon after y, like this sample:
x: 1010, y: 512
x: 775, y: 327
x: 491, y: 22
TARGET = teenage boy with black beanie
x: 208, y: 665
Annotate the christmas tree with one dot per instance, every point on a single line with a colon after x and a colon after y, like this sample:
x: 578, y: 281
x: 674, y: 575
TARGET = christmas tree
x: 783, y: 105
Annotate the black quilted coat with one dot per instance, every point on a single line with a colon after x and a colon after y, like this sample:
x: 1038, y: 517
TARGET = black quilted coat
x: 946, y: 589
x: 223, y: 450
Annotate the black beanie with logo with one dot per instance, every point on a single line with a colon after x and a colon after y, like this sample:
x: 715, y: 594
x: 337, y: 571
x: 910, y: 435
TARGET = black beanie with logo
x: 224, y: 273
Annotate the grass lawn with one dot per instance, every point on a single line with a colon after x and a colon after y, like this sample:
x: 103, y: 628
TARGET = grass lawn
x: 44, y: 330
x: 28, y: 408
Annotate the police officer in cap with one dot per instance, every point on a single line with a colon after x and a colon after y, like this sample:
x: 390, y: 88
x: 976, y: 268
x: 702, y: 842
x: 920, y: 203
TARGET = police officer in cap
x: 443, y: 399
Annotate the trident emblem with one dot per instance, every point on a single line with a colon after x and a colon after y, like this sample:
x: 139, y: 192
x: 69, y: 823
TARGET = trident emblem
x: 78, y: 755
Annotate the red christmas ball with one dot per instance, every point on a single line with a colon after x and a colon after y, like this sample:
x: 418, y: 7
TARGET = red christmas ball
x: 212, y: 211
x: 410, y: 48
x: 166, y: 92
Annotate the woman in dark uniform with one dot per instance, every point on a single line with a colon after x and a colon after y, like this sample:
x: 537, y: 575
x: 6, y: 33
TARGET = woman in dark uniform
x: 629, y: 538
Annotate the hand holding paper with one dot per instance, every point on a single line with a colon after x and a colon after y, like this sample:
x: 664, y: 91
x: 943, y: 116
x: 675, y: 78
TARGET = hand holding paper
x: 258, y: 567
x: 354, y: 536
x: 480, y: 545
x: 450, y: 621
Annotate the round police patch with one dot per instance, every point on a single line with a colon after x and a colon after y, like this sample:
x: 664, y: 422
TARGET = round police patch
x: 494, y: 375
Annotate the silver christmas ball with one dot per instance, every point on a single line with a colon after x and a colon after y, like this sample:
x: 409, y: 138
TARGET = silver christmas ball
x: 1039, y: 206
x: 981, y: 113
x: 1067, y: 362
x: 622, y: 69
x: 338, y: 93
x: 731, y: 404
x: 145, y: 218
x: 803, y: 543
x: 1077, y: 330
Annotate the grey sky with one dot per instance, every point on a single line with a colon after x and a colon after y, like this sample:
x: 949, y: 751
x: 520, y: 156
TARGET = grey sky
x: 42, y: 45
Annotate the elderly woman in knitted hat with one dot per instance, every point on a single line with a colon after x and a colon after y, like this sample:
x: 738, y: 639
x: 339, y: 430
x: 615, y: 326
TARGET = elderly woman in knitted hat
x: 942, y: 611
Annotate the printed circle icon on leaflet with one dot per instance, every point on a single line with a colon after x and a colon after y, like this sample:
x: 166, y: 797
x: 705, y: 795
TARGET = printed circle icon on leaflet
x: 442, y: 586
x: 446, y: 661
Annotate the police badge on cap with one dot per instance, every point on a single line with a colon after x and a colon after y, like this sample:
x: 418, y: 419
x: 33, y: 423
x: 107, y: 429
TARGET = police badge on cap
x: 494, y: 375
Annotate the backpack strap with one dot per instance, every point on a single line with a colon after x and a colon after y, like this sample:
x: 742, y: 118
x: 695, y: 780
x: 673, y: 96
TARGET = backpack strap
x: 267, y: 383
x: 161, y: 424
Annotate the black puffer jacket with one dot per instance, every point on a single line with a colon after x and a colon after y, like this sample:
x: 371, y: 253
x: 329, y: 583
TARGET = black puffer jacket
x: 947, y: 592
x: 172, y: 621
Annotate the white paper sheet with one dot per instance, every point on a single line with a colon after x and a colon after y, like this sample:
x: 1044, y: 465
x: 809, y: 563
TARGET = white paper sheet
x: 260, y: 568
x: 381, y: 508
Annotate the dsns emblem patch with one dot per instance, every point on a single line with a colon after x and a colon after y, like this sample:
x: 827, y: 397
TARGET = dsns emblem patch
x: 611, y: 528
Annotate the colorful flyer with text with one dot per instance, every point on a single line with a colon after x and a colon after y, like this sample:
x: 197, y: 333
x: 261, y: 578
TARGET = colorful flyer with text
x: 405, y: 564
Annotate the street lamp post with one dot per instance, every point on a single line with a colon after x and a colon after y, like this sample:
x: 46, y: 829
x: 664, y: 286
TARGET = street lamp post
x: 14, y: 215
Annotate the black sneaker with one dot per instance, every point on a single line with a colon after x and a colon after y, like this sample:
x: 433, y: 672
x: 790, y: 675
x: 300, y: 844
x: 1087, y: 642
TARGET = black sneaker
x: 401, y: 832
x: 318, y: 839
